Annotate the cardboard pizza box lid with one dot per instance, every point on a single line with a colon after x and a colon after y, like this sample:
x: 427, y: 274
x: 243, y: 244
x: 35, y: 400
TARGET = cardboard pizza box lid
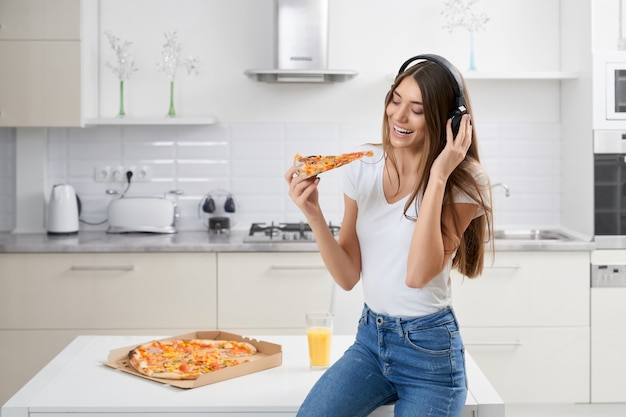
x: 269, y: 355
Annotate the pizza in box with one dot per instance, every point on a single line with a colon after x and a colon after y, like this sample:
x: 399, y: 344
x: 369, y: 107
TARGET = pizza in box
x: 188, y: 358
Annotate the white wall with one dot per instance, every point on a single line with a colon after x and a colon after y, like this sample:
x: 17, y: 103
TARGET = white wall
x: 371, y: 37
x: 264, y: 124
x: 605, y: 24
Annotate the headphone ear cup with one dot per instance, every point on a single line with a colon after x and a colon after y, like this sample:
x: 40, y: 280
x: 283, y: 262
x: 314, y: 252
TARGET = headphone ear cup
x: 208, y: 206
x: 456, y: 116
x: 229, y: 205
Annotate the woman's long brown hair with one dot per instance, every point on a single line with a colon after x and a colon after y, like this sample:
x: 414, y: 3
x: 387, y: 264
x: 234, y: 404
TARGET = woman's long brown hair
x: 438, y: 97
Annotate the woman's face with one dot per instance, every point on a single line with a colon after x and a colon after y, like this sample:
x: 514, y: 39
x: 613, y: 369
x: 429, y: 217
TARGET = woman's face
x: 405, y: 114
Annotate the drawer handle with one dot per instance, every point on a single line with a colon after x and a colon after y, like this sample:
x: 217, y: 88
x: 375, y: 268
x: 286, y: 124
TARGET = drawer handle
x: 103, y: 268
x: 514, y: 343
x: 297, y: 267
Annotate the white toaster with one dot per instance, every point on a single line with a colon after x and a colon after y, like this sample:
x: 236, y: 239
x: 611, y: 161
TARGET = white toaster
x: 142, y: 214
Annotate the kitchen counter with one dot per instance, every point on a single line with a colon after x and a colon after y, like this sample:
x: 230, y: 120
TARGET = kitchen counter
x: 77, y: 383
x: 201, y: 241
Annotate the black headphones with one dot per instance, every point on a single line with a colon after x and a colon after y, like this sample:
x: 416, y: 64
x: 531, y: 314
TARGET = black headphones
x: 456, y: 114
x: 208, y: 205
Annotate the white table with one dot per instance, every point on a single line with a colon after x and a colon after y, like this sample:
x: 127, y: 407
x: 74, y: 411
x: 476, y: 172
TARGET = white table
x: 78, y: 382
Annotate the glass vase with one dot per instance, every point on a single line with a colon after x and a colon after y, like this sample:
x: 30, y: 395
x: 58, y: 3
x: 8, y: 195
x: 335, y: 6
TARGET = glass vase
x: 121, y: 113
x: 472, y: 63
x: 172, y: 111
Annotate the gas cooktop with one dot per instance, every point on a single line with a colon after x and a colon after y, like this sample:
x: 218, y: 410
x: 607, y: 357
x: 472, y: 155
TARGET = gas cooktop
x: 283, y: 232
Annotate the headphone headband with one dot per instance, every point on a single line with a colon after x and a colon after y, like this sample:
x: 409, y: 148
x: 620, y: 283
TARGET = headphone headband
x: 445, y: 64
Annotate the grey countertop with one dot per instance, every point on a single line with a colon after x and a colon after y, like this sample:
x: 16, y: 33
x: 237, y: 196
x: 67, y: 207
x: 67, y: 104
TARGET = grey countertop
x: 201, y: 241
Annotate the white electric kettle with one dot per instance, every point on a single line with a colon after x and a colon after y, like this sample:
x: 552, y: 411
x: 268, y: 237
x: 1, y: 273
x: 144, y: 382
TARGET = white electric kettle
x: 63, y: 211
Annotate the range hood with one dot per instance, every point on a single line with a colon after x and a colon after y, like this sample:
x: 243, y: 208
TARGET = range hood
x: 301, y: 45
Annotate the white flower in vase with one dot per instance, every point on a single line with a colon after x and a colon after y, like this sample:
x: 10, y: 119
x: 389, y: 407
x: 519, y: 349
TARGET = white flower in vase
x: 170, y: 54
x: 458, y: 13
x: 125, y: 64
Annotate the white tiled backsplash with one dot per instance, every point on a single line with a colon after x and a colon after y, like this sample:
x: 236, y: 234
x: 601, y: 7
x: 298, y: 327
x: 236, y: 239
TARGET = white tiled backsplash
x: 249, y: 160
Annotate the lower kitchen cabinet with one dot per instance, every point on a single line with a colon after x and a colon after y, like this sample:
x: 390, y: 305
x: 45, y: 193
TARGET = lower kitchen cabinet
x: 526, y: 323
x: 270, y: 292
x: 48, y: 299
x: 546, y: 288
x: 608, y: 345
x: 105, y: 291
x: 533, y: 364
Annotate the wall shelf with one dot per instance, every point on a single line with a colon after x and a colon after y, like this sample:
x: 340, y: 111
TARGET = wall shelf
x: 144, y: 121
x: 506, y: 75
x: 516, y: 76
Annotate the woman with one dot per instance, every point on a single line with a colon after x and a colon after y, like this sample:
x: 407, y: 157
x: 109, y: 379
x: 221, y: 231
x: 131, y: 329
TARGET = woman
x: 419, y: 207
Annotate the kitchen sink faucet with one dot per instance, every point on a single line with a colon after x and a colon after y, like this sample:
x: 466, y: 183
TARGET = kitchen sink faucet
x: 507, y: 191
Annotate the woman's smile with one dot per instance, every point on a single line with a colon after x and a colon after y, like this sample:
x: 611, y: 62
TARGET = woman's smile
x: 401, y: 131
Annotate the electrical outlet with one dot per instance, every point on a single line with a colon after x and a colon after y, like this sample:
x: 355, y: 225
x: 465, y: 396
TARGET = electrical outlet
x: 102, y: 173
x: 118, y: 174
x: 107, y: 173
x: 141, y: 173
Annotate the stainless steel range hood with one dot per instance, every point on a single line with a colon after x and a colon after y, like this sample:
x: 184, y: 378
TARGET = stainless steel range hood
x: 301, y: 45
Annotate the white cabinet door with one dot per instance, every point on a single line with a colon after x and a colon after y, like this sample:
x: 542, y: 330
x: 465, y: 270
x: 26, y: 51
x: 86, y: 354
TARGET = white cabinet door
x: 271, y: 292
x: 518, y: 288
x: 526, y: 323
x: 40, y: 83
x: 608, y: 345
x: 45, y: 46
x: 533, y: 365
x: 104, y: 291
x: 39, y: 19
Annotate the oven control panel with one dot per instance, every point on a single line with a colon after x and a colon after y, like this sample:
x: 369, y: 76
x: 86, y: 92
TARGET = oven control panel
x: 608, y: 276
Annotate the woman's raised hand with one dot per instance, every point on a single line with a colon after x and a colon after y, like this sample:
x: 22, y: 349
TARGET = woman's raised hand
x: 303, y: 192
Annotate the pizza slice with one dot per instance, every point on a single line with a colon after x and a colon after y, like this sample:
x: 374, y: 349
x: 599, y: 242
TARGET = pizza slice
x: 310, y: 166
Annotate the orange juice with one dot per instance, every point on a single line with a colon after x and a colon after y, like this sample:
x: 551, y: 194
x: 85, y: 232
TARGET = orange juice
x: 319, y: 346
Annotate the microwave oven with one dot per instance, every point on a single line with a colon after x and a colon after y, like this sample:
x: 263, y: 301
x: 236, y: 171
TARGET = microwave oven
x: 609, y: 90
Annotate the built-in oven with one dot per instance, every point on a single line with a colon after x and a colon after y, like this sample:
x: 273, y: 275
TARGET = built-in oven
x: 610, y: 189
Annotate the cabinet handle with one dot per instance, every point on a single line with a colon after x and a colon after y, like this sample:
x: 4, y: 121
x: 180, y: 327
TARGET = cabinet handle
x: 514, y: 343
x: 297, y: 267
x: 103, y: 268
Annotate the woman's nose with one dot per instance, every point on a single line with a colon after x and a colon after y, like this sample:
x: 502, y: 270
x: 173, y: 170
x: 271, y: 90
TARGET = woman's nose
x: 402, y: 113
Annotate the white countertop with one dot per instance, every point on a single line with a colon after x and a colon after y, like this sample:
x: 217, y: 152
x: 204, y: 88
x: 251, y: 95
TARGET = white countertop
x: 78, y: 382
x: 94, y: 242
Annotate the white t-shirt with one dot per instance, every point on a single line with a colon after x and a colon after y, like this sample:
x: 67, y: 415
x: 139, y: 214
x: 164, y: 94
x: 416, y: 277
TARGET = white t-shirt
x: 385, y: 235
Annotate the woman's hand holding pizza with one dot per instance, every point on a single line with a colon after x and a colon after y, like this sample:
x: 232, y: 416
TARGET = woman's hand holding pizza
x: 303, y: 178
x: 303, y: 191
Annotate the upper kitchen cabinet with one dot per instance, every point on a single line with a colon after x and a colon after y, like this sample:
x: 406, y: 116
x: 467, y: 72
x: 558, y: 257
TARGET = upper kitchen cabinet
x: 44, y: 50
x: 39, y: 20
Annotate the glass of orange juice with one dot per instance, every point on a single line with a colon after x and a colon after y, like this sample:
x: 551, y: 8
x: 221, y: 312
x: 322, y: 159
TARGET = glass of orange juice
x: 319, y: 330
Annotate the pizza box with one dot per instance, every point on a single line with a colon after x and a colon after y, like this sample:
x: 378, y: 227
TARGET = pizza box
x: 269, y: 355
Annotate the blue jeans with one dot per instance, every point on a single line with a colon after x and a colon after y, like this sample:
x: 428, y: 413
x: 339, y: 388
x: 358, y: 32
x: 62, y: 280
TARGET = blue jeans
x: 418, y: 363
